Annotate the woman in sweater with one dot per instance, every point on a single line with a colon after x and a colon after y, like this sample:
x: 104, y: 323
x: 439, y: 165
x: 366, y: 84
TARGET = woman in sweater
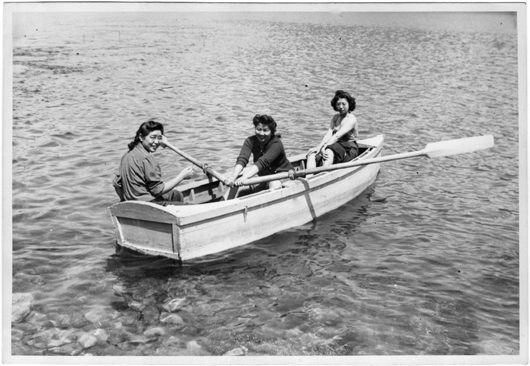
x: 268, y: 155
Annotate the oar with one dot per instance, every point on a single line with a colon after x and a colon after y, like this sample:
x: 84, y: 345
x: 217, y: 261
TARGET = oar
x: 431, y: 150
x: 204, y: 167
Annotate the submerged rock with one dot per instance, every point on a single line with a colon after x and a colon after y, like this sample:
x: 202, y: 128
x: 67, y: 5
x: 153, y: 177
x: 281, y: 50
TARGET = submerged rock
x: 129, y: 317
x: 139, y: 339
x: 101, y: 335
x: 170, y: 347
x: 118, y: 336
x: 71, y: 349
x: 98, y: 315
x: 173, y: 305
x: 294, y: 320
x: 190, y: 331
x: 87, y: 341
x: 120, y: 290
x: 16, y: 334
x: 21, y: 306
x: 136, y: 305
x: 78, y: 321
x: 38, y: 319
x: 124, y: 346
x: 60, y: 320
x: 50, y: 338
x: 240, y: 351
x: 61, y: 341
x: 151, y: 314
x: 172, y: 319
x: 173, y: 342
x: 193, y: 346
x: 154, y: 332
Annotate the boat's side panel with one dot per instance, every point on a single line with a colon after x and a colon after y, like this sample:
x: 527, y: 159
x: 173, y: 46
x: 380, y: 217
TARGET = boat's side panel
x: 324, y: 197
x: 301, y: 204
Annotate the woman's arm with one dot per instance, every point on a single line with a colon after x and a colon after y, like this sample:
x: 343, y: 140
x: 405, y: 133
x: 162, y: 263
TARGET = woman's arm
x: 235, y: 173
x: 327, y: 136
x: 325, y: 139
x: 172, y: 183
x: 252, y: 171
x: 347, y: 125
x: 242, y: 160
x: 317, y: 149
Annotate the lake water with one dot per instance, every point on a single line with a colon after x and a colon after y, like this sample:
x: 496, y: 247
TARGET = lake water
x: 425, y: 262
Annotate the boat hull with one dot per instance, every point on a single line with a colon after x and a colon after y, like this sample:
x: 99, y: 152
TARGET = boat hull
x: 190, y: 231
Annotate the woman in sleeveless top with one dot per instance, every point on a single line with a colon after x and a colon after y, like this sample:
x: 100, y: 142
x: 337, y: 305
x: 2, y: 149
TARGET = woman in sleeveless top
x: 339, y: 144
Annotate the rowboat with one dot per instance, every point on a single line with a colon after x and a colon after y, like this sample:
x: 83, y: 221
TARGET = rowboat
x: 210, y: 223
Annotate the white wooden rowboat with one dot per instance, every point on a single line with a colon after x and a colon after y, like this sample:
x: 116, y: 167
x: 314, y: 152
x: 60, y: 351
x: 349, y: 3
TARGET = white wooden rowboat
x: 213, y: 225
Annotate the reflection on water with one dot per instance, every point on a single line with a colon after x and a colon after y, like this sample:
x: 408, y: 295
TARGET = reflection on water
x: 424, y: 262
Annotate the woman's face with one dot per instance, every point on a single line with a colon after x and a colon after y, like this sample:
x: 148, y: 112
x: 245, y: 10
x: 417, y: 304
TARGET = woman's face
x: 152, y: 141
x: 342, y: 105
x: 263, y: 133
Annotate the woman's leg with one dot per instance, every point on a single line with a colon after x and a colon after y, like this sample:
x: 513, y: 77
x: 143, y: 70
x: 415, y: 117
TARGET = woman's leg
x: 311, y: 161
x: 328, y: 157
x: 174, y: 197
x: 275, y: 184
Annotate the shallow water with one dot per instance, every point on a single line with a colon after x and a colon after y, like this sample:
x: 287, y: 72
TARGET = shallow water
x: 425, y: 262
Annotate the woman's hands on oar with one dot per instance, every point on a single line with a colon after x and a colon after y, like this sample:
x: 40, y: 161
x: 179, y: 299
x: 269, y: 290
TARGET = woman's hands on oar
x: 431, y: 150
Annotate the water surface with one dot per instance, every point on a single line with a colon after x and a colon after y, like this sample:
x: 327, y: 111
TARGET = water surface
x: 425, y: 262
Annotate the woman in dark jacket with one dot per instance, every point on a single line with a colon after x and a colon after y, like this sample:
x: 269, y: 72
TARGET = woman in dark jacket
x: 267, y: 151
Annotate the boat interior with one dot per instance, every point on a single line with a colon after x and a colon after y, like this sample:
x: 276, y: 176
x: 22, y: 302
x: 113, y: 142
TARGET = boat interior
x: 208, y: 189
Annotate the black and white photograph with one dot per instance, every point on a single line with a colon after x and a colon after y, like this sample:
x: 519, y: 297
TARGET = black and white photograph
x: 264, y: 183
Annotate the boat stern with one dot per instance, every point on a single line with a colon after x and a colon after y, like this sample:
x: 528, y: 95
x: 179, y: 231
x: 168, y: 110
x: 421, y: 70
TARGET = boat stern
x: 146, y: 227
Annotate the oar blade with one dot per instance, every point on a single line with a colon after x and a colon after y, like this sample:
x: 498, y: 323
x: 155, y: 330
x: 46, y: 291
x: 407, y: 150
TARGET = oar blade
x: 459, y: 146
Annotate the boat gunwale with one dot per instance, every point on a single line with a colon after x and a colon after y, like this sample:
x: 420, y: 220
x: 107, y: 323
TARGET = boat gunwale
x: 303, y: 191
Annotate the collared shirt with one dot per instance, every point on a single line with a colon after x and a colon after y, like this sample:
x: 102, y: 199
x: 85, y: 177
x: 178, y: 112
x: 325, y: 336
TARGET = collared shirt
x: 269, y: 160
x: 139, y: 176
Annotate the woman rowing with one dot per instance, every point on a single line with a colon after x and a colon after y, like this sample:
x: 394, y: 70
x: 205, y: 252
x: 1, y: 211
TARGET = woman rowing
x: 140, y: 177
x: 339, y: 144
x: 268, y: 154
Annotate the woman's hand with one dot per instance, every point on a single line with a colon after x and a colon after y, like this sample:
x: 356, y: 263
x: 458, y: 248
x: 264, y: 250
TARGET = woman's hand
x: 231, y: 180
x: 313, y: 150
x: 239, y: 181
x: 252, y: 171
x: 187, y: 173
x: 235, y: 173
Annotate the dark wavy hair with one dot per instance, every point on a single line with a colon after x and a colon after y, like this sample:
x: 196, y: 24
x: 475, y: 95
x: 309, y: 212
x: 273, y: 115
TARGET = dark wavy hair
x: 342, y: 94
x: 267, y: 121
x: 145, y: 129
